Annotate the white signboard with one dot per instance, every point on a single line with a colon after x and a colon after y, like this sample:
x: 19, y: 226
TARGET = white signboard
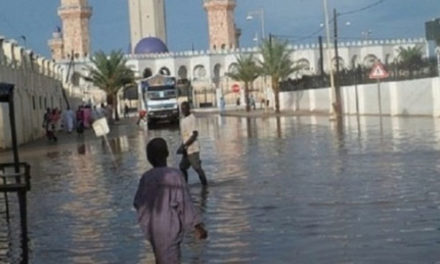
x: 100, y: 127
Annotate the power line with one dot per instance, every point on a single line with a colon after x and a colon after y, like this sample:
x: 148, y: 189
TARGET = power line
x: 316, y: 32
x: 299, y: 38
x: 362, y: 8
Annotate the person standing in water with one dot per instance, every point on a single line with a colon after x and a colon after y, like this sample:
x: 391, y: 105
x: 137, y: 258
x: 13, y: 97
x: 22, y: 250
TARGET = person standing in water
x: 190, y: 148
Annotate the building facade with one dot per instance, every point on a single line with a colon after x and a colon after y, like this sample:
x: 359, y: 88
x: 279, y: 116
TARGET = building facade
x: 206, y: 70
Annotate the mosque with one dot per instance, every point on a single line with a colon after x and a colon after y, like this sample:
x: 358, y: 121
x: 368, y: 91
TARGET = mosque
x: 201, y: 73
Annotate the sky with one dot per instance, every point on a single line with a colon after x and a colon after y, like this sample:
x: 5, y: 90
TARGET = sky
x: 187, y: 27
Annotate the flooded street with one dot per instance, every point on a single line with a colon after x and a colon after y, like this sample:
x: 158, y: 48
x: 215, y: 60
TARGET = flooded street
x: 281, y: 190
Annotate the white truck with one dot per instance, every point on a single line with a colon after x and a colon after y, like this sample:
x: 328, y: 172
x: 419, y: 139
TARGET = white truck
x: 159, y: 94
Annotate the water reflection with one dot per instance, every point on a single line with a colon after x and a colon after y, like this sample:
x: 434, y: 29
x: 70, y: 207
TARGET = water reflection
x: 284, y: 190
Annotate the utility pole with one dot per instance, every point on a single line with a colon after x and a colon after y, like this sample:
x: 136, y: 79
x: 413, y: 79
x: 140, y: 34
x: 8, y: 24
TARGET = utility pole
x: 329, y: 56
x: 321, y: 56
x: 338, y: 104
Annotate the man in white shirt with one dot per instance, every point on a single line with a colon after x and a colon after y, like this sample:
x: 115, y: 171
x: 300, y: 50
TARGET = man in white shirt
x: 190, y: 147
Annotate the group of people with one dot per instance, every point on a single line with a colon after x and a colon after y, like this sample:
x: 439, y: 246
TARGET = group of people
x: 70, y: 120
x: 50, y: 122
x: 253, y: 103
x: 162, y: 201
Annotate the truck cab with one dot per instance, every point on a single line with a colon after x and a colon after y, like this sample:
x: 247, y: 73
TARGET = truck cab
x: 159, y: 95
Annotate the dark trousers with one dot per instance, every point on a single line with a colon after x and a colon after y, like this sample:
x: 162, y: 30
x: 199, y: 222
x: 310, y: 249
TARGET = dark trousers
x: 193, y: 160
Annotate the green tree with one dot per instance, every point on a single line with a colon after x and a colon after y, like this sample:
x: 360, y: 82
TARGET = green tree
x: 110, y: 74
x: 246, y: 71
x: 410, y: 58
x: 277, y: 64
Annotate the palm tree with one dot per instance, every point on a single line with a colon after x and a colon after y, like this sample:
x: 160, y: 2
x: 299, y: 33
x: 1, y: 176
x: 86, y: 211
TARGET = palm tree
x: 277, y: 64
x: 110, y: 73
x: 411, y: 58
x: 246, y: 71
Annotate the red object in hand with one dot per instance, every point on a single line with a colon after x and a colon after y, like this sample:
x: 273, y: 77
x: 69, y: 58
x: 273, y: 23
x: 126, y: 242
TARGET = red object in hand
x: 142, y: 113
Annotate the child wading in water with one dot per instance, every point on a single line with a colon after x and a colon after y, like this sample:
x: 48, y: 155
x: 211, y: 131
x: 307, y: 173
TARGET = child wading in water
x: 164, y: 206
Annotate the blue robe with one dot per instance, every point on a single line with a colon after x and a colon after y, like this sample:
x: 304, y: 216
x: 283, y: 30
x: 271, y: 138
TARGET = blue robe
x: 165, y: 210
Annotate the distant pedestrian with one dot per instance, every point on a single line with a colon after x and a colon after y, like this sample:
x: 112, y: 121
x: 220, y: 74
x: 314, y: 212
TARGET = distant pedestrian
x: 252, y: 102
x: 69, y: 120
x: 80, y: 120
x: 109, y: 113
x: 95, y: 114
x: 87, y: 116
x: 102, y: 111
x: 164, y: 207
x: 47, y: 125
x: 238, y: 101
x: 54, y: 118
x: 142, y: 116
x: 190, y: 148
x: 222, y: 104
x: 126, y: 111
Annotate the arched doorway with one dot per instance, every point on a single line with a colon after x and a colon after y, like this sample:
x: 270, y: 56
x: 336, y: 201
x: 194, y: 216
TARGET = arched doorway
x: 369, y: 61
x: 184, y: 88
x: 165, y: 71
x: 217, y: 75
x: 147, y: 73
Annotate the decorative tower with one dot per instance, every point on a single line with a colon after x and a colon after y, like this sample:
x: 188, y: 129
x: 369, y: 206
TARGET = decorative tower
x: 147, y: 19
x: 56, y: 45
x: 222, y: 30
x: 75, y: 15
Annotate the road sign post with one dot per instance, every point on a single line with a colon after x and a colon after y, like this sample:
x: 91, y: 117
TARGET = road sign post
x: 378, y: 72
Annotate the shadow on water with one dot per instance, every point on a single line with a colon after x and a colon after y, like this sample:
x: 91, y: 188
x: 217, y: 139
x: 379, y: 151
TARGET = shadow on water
x: 252, y: 128
x: 164, y: 125
x: 279, y: 132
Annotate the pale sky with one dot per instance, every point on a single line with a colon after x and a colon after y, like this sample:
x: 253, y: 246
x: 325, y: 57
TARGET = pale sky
x: 187, y: 22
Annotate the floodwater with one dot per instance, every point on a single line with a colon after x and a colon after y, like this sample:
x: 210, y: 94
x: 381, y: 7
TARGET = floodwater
x: 282, y: 190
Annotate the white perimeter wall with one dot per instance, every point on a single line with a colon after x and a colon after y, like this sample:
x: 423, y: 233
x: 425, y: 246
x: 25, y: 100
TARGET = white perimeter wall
x: 414, y: 97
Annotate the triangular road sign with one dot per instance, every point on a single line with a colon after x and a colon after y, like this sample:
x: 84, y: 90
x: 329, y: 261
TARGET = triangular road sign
x: 378, y: 72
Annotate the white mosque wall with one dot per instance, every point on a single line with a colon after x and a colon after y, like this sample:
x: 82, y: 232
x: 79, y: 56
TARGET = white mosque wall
x: 38, y: 85
x: 351, y: 54
x: 419, y: 97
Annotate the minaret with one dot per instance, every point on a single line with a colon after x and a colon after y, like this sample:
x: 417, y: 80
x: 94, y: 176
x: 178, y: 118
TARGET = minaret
x: 222, y: 31
x: 75, y: 15
x: 56, y: 45
x: 147, y: 19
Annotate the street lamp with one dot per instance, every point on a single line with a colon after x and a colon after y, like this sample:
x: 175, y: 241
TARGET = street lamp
x: 260, y: 13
